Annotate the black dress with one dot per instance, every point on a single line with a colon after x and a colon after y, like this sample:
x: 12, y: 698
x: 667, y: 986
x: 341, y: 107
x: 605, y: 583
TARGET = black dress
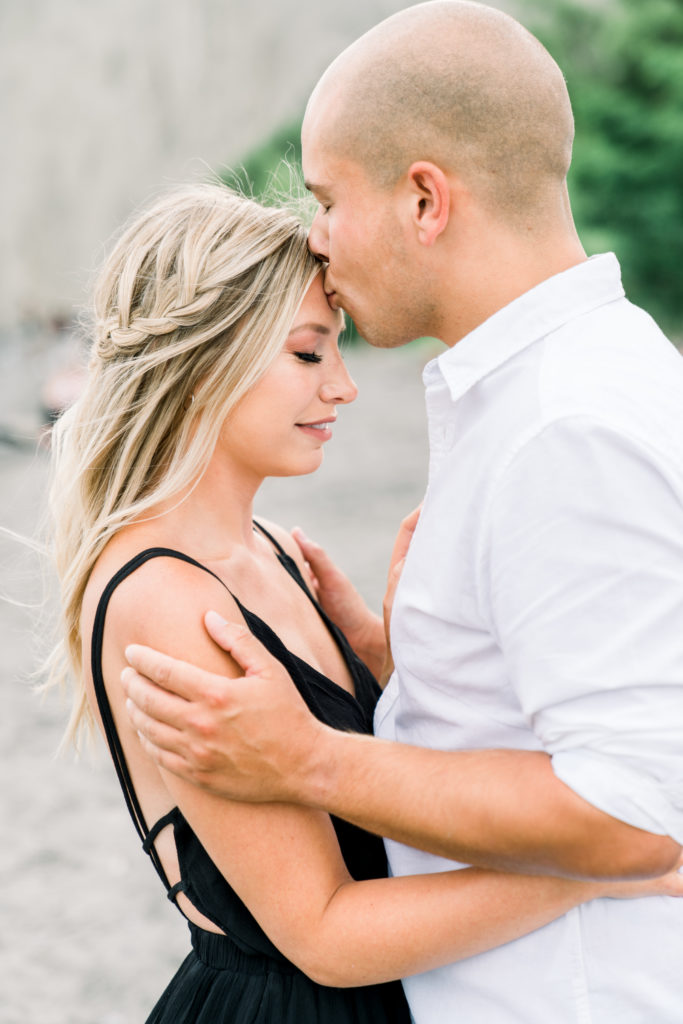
x: 240, y: 977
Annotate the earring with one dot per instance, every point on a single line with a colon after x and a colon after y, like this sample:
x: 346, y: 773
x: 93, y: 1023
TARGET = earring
x: 188, y: 401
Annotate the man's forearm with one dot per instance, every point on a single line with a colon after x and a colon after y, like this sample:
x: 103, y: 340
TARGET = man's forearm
x: 253, y: 738
x: 503, y: 809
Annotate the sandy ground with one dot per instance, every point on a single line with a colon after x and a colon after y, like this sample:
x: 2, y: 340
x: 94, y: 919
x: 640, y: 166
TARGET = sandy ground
x: 88, y: 936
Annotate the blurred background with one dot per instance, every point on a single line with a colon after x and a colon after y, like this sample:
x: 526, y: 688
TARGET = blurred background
x: 103, y: 103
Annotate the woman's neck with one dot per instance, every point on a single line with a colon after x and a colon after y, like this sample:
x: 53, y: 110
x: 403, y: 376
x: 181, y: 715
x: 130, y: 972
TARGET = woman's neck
x: 214, y: 517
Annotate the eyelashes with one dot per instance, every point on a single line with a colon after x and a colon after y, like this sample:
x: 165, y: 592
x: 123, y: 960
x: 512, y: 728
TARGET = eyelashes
x: 309, y: 357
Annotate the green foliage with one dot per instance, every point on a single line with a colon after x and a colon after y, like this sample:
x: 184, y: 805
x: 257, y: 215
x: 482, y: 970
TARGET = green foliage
x: 623, y: 61
x: 275, y: 165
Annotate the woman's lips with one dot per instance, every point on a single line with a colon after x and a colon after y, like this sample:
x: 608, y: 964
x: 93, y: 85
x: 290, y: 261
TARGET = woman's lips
x: 321, y: 430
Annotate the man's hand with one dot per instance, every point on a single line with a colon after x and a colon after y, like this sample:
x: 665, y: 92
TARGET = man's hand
x: 344, y: 605
x: 247, y: 738
x: 253, y: 738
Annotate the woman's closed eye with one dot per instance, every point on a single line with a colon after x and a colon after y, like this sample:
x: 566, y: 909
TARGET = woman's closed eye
x: 309, y: 357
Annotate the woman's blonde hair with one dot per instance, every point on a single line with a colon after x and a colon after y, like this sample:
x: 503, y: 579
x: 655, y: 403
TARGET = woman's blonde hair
x: 201, y: 288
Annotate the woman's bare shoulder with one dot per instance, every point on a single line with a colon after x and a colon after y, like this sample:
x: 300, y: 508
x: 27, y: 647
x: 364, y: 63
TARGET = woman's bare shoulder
x: 162, y: 600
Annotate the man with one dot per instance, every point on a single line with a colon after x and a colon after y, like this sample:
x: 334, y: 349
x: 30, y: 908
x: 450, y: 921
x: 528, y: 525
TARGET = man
x: 538, y: 691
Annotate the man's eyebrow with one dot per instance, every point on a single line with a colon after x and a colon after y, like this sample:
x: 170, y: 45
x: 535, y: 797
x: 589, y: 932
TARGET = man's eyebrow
x: 316, y: 189
x: 317, y: 328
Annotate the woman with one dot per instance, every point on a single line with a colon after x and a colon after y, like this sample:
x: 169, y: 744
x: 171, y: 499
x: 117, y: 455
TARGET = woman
x: 214, y: 365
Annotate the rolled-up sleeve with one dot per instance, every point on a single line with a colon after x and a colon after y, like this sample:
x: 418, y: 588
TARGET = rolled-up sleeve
x: 585, y: 588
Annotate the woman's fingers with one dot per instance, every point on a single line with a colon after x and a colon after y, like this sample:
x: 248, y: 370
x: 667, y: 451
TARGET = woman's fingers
x: 334, y: 590
x: 388, y: 603
x: 404, y: 536
x: 320, y: 565
x: 398, y: 558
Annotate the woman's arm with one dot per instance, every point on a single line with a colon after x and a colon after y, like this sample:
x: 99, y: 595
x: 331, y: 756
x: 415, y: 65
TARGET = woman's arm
x: 284, y: 861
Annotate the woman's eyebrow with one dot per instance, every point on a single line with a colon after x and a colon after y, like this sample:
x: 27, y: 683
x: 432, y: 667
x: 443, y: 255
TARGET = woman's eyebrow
x: 318, y: 328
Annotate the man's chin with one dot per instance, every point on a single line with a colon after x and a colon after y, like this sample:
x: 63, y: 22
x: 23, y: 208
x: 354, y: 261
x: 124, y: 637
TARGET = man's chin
x: 381, y: 339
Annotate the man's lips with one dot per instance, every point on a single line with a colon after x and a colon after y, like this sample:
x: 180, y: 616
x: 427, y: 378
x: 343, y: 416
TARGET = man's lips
x: 330, y: 292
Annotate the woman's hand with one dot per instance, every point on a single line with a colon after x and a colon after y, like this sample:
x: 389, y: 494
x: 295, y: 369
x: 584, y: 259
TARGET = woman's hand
x: 398, y: 557
x: 670, y: 884
x: 342, y: 602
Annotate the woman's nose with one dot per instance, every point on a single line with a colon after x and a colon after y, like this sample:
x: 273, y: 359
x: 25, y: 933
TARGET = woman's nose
x: 341, y: 388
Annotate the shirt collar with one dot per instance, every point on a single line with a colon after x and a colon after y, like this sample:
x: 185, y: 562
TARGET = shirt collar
x: 535, y: 314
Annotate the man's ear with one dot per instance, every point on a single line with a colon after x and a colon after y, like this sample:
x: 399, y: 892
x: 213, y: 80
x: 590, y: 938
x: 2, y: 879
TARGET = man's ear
x: 430, y: 197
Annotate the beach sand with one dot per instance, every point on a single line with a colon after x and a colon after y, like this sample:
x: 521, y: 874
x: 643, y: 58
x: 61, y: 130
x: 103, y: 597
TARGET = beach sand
x: 88, y: 936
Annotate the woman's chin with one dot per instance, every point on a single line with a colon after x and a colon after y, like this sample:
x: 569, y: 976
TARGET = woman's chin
x: 302, y: 468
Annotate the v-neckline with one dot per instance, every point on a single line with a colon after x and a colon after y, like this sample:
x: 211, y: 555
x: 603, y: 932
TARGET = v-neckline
x: 292, y: 570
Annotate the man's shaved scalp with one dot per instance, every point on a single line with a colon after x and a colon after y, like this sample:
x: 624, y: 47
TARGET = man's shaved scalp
x: 461, y: 85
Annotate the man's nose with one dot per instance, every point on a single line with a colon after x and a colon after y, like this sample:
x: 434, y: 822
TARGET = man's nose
x: 317, y: 238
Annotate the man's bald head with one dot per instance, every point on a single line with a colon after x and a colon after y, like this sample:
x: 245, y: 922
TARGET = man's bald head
x: 456, y: 83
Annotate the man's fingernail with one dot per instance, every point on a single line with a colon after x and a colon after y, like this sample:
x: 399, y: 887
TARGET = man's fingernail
x: 212, y: 618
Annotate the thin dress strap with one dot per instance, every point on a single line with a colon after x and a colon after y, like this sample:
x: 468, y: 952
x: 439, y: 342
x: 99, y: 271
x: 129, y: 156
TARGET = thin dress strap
x: 276, y: 544
x: 111, y: 733
x: 289, y: 564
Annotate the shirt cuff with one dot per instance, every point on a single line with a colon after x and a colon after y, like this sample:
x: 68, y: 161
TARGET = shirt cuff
x: 620, y: 791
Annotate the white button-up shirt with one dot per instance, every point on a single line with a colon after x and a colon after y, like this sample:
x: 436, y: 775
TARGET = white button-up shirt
x: 541, y: 608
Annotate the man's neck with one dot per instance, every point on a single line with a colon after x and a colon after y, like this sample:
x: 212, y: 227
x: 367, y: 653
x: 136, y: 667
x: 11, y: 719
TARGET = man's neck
x: 485, y: 278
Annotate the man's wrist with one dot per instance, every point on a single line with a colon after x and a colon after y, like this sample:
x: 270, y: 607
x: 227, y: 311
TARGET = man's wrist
x: 317, y: 782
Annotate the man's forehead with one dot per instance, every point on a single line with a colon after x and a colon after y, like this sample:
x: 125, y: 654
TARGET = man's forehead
x: 320, y: 147
x: 327, y: 172
x: 314, y: 155
x: 321, y: 170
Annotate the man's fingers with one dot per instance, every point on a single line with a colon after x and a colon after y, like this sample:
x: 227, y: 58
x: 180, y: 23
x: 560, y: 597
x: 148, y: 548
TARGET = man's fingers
x: 165, y: 756
x: 176, y: 676
x: 171, y: 730
x: 153, y: 733
x: 237, y: 640
x: 152, y: 702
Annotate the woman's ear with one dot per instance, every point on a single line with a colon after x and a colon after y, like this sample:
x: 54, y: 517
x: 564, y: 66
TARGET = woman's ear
x: 430, y: 200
